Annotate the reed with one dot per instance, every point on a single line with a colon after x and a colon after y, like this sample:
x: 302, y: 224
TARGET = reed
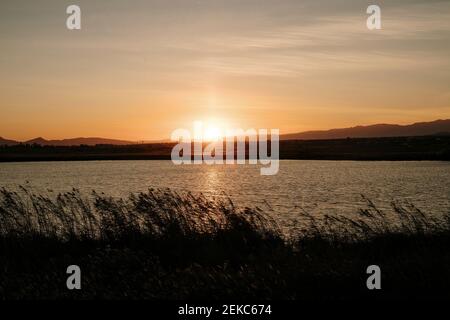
x: 161, y: 244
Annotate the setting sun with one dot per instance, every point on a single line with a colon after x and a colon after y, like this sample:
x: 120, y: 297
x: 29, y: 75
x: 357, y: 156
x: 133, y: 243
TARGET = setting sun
x: 210, y: 130
x: 212, y: 134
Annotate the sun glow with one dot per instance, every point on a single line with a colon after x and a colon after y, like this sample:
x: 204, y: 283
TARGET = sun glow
x: 212, y: 134
x: 209, y: 131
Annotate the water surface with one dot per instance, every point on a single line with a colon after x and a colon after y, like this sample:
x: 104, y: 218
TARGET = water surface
x: 315, y: 186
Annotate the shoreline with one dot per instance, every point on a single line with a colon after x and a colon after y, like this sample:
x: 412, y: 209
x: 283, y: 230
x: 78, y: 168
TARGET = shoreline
x: 19, y: 160
x: 424, y: 148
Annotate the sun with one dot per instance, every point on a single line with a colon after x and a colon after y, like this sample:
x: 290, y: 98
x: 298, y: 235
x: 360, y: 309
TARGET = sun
x: 212, y: 133
x: 209, y: 131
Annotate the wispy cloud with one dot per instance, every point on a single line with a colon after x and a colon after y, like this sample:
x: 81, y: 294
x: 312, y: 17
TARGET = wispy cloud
x: 329, y: 43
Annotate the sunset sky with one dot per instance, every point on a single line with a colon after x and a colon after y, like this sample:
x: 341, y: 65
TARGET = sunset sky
x: 138, y: 70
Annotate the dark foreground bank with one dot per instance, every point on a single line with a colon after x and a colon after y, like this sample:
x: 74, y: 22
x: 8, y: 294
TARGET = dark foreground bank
x: 163, y: 245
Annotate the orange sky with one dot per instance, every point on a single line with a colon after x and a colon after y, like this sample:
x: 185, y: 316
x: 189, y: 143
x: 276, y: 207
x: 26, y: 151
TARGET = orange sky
x: 140, y: 71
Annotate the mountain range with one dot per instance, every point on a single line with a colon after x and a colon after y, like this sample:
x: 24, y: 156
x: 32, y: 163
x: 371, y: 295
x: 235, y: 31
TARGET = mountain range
x: 372, y: 131
x: 67, y: 142
x: 375, y: 131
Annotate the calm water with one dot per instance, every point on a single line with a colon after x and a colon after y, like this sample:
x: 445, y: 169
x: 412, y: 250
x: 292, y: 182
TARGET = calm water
x: 315, y: 186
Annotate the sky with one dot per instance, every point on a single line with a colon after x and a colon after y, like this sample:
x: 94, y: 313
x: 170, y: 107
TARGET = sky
x: 138, y: 70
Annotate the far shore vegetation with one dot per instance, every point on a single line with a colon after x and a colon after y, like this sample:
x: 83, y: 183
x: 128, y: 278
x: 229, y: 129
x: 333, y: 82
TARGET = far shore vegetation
x: 397, y: 148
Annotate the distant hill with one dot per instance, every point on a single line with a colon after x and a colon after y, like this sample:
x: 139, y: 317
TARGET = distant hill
x: 77, y: 142
x: 438, y: 127
x: 7, y: 142
x: 67, y: 142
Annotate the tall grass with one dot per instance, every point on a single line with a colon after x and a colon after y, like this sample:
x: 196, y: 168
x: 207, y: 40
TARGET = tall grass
x: 370, y: 222
x: 164, y: 244
x: 155, y: 214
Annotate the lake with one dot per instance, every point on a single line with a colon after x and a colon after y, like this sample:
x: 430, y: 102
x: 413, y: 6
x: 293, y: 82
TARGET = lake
x: 319, y: 187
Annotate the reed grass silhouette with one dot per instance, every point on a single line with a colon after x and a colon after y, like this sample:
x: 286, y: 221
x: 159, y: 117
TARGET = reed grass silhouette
x: 161, y: 244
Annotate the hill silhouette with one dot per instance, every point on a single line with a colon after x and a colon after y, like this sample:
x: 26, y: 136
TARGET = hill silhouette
x: 438, y: 127
x: 6, y: 142
x: 91, y: 141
